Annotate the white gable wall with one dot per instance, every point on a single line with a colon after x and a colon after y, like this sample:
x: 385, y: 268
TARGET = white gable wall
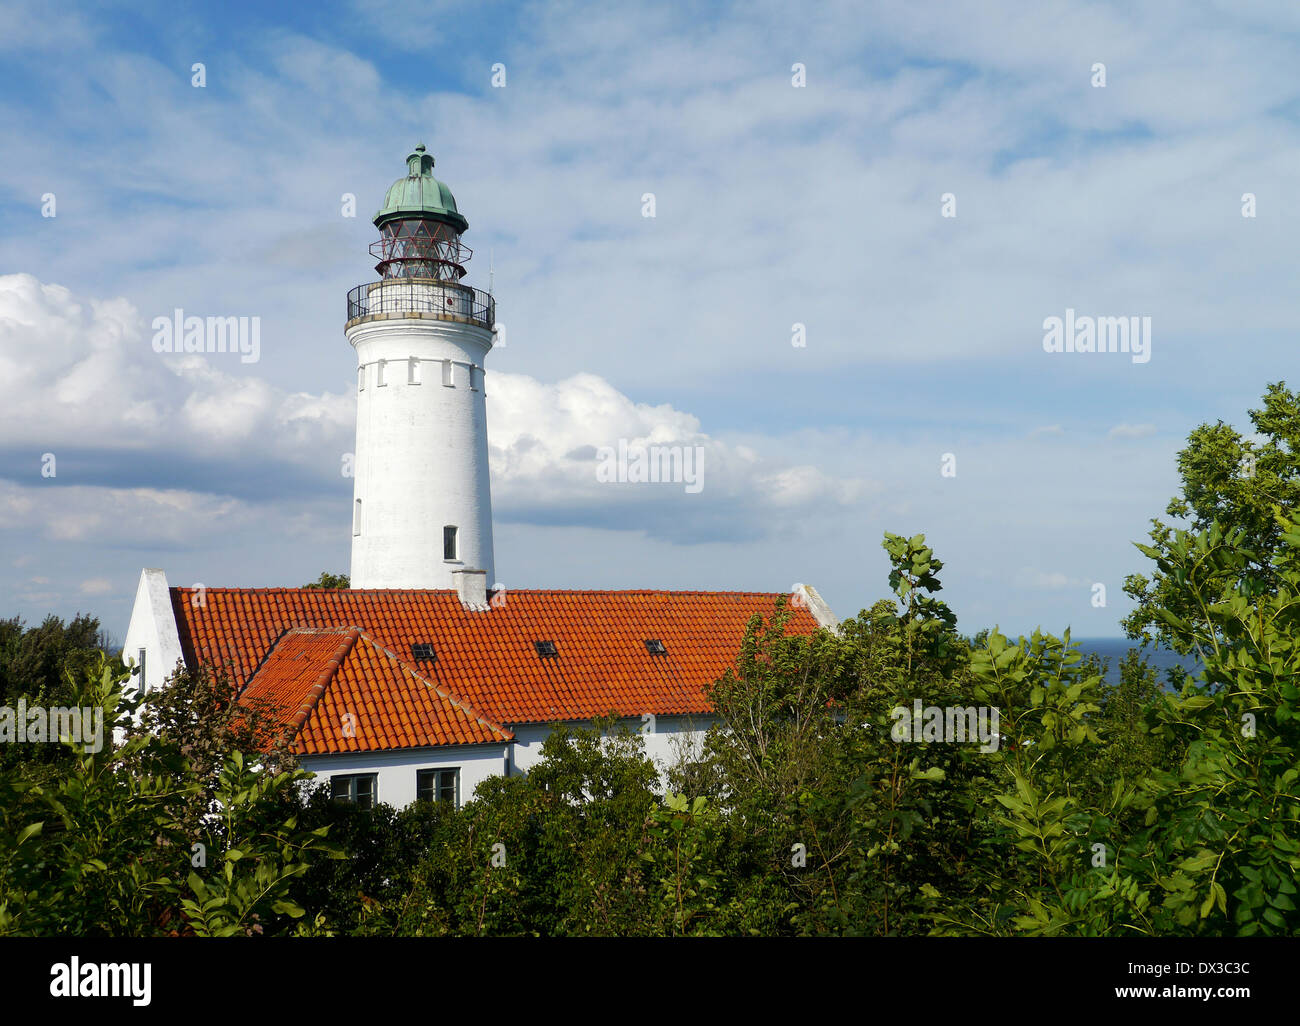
x: 152, y: 628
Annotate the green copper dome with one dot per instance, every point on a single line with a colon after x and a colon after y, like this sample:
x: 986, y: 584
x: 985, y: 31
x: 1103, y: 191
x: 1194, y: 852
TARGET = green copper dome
x: 419, y: 194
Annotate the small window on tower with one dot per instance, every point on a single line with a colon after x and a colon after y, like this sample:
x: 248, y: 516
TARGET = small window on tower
x: 361, y: 378
x: 446, y: 374
x: 449, y: 540
x: 356, y: 519
x: 413, y: 371
x: 379, y: 373
x: 144, y: 683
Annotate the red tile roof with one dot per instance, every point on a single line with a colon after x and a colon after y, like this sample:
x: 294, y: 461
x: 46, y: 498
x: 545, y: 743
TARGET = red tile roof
x: 344, y: 693
x: 486, y: 660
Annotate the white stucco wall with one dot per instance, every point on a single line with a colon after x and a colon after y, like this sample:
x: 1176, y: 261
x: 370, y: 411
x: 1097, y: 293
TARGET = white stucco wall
x: 663, y: 744
x: 421, y: 453
x: 396, y: 769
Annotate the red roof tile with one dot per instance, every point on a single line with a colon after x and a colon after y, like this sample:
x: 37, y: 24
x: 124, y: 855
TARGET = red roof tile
x: 344, y: 693
x: 487, y: 659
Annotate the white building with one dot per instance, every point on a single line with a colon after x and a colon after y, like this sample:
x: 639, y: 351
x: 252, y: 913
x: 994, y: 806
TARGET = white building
x: 420, y: 681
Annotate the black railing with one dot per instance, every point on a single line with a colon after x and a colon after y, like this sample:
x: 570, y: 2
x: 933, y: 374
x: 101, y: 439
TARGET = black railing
x: 423, y: 296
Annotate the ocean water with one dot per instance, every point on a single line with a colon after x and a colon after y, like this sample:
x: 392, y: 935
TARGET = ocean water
x: 1115, y: 649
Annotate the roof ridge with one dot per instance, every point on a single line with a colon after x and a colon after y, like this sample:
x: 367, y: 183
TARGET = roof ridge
x: 318, y: 688
x: 450, y: 696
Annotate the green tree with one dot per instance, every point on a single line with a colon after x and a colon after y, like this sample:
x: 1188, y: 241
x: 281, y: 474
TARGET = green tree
x: 1225, y: 824
x: 197, y: 712
x: 1239, y: 482
x: 328, y: 580
x: 103, y: 847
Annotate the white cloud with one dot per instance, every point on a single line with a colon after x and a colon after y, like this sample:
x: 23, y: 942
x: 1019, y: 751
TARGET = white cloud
x: 96, y: 386
x: 1128, y: 431
x: 83, y: 373
x: 546, y: 441
x: 1040, y: 580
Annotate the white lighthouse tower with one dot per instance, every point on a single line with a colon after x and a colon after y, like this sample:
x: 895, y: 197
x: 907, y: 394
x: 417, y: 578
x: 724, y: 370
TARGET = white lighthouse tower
x: 422, y: 506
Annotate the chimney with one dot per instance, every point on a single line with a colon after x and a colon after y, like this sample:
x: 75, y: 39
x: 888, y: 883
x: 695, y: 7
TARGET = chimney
x: 471, y: 587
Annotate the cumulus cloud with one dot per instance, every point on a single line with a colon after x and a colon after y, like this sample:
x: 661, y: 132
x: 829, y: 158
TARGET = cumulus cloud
x: 201, y: 437
x: 82, y: 374
x: 548, y: 442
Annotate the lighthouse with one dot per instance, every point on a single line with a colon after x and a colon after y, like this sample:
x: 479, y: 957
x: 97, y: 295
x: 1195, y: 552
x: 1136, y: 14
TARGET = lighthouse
x: 422, y: 501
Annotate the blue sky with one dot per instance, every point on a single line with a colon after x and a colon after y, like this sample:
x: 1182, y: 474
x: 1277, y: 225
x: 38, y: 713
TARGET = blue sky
x: 775, y: 205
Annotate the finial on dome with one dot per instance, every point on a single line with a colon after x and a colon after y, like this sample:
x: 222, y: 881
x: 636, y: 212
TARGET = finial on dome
x: 419, y: 161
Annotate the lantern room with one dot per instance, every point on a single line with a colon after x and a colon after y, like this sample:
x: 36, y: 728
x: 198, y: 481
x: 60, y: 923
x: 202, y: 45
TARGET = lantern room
x: 420, y: 227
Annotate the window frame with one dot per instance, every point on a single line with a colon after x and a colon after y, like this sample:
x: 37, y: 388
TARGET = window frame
x: 351, y: 780
x: 438, y: 786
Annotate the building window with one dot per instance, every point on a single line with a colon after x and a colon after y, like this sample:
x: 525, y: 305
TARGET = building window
x: 361, y: 789
x: 655, y: 647
x: 144, y: 681
x: 422, y: 652
x: 413, y: 371
x: 361, y: 378
x: 356, y: 519
x: 438, y: 785
x: 379, y: 373
x: 475, y: 374
x: 447, y: 379
x: 546, y: 649
x: 449, y: 542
